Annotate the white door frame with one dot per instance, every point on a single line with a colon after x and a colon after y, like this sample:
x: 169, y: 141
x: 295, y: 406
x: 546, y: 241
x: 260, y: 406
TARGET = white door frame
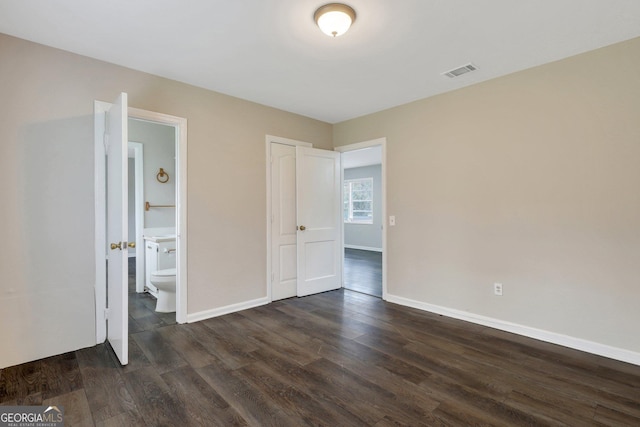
x: 180, y: 125
x: 359, y: 146
x: 138, y: 158
x: 279, y: 140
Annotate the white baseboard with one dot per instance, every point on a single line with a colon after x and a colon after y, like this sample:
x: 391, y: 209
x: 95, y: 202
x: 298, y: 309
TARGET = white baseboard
x: 207, y: 314
x: 539, y: 334
x: 363, y: 248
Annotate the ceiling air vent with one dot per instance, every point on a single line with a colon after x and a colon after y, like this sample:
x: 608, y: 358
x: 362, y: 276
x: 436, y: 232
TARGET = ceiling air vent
x: 460, y: 71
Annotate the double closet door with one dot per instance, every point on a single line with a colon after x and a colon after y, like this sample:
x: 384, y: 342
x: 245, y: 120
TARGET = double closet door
x: 306, y: 221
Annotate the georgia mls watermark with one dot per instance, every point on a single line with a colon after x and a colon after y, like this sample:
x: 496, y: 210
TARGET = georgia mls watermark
x: 31, y: 416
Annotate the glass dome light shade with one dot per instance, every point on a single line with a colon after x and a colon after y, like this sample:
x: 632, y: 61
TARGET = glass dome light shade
x: 334, y: 19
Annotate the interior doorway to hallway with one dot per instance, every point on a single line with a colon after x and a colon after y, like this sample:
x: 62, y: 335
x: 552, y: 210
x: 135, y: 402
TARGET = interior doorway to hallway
x: 364, y: 213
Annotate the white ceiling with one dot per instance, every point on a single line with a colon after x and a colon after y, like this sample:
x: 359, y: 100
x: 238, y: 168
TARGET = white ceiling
x: 364, y: 157
x: 271, y: 52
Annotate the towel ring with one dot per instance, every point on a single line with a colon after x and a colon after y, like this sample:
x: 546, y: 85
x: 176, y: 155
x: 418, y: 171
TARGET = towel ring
x: 162, y: 176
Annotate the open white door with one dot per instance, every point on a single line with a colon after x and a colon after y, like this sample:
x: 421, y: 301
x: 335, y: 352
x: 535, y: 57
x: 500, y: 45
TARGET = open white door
x: 117, y: 228
x: 319, y: 215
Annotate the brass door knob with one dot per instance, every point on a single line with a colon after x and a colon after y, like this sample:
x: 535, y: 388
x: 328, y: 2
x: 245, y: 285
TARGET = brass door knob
x: 132, y: 244
x: 115, y: 246
x: 302, y: 228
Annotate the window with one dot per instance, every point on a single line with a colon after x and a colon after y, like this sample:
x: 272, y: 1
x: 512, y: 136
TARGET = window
x: 358, y: 201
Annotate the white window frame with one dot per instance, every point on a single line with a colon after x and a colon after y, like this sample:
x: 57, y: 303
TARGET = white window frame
x: 350, y: 219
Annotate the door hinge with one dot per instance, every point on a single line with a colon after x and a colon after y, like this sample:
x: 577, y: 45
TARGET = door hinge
x: 106, y: 314
x: 105, y: 141
x: 273, y: 277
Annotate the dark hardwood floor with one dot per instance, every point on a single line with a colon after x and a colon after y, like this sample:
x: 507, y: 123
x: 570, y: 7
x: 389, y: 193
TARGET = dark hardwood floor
x: 339, y: 358
x: 363, y: 271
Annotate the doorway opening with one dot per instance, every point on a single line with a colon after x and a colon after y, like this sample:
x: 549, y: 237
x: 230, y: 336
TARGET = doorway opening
x: 152, y: 216
x: 178, y: 128
x: 364, y: 213
x: 166, y: 218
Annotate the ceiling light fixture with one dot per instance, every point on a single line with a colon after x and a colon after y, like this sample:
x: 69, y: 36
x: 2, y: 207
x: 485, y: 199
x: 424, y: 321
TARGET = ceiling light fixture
x: 334, y: 19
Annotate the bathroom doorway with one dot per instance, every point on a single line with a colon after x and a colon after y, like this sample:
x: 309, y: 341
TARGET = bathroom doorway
x: 166, y: 213
x: 109, y: 135
x: 152, y: 214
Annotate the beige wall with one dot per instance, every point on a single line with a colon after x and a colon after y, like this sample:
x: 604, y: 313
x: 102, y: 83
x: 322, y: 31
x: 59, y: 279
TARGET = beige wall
x: 531, y: 180
x: 47, y: 207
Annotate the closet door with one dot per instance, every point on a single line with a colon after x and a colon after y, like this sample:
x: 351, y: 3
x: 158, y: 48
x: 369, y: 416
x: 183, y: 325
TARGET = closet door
x: 319, y: 234
x: 283, y: 221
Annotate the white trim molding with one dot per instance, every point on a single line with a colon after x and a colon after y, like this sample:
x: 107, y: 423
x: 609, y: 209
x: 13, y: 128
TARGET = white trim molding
x: 99, y: 110
x: 364, y: 144
x: 221, y: 311
x: 382, y: 142
x: 527, y: 331
x: 138, y: 158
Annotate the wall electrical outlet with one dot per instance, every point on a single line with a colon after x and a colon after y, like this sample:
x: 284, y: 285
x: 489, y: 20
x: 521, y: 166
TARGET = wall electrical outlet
x: 497, y: 288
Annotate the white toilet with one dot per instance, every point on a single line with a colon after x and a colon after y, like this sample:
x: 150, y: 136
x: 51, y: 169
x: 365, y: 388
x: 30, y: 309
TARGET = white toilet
x: 165, y: 281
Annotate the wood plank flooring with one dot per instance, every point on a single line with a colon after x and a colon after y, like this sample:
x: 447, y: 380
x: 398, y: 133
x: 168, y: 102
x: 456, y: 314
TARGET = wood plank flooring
x: 337, y: 359
x: 363, y: 271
